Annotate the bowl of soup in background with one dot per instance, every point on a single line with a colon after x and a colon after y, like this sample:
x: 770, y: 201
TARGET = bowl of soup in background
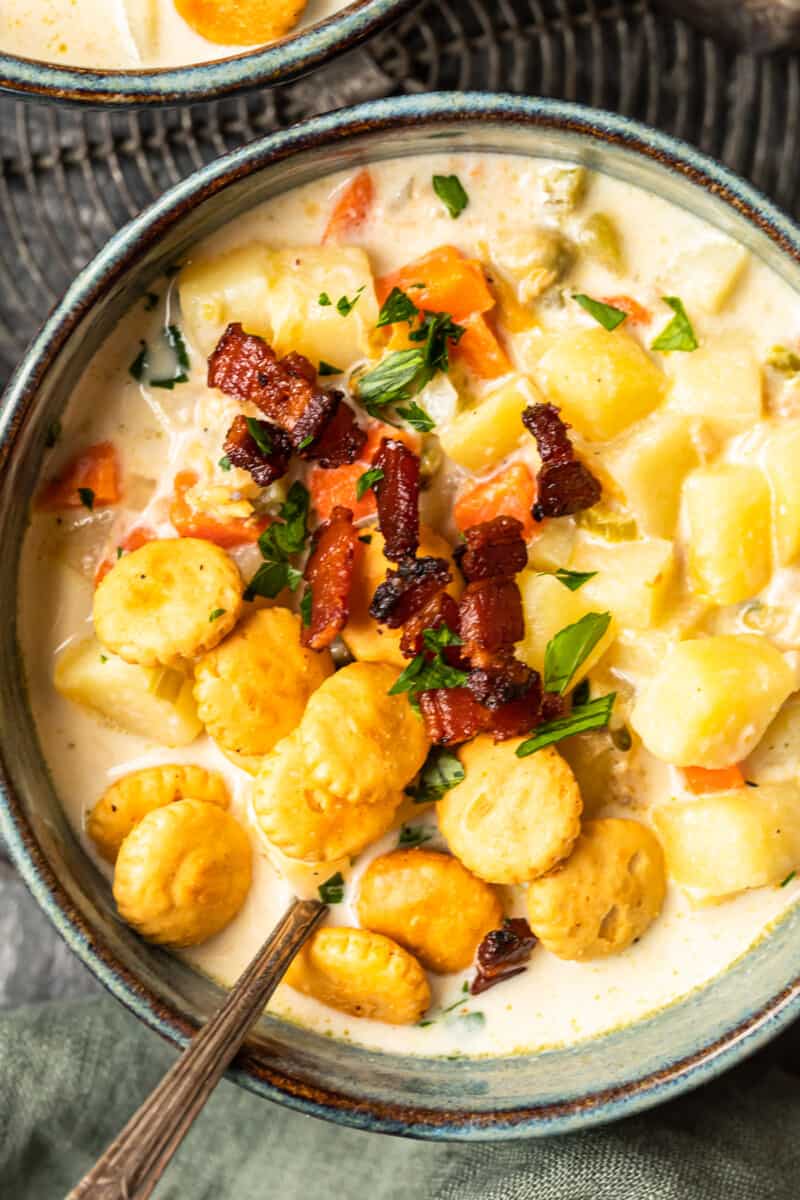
x: 556, y: 1089
x: 185, y: 68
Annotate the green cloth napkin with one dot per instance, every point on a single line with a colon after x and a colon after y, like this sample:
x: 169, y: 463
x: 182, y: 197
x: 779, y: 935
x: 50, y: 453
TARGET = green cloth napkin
x: 72, y: 1074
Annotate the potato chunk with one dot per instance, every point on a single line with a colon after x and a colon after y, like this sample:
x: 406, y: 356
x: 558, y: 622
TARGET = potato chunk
x: 711, y: 700
x: 152, y: 702
x: 650, y: 465
x: 779, y: 458
x: 365, y: 638
x: 549, y: 607
x: 720, y: 383
x: 359, y: 742
x: 725, y: 842
x: 511, y: 819
x: 777, y: 755
x: 168, y: 601
x: 479, y: 437
x: 183, y: 873
x: 430, y: 904
x: 361, y: 973
x: 706, y: 277
x: 633, y: 580
x: 601, y: 381
x: 607, y: 893
x: 133, y: 796
x: 233, y: 287
x: 727, y: 519
x: 253, y: 689
x: 310, y: 823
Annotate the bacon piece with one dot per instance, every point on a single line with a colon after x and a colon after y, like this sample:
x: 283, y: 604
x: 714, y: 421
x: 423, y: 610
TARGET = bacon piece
x: 236, y: 361
x: 441, y: 610
x: 504, y: 681
x: 494, y: 547
x: 244, y: 451
x: 518, y: 716
x: 553, y: 706
x: 397, y: 496
x: 564, y: 485
x: 503, y: 953
x: 341, y: 440
x: 490, y: 619
x: 451, y: 715
x: 408, y: 589
x: 329, y: 574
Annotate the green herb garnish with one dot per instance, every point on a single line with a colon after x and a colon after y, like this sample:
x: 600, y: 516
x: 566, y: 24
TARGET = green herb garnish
x: 324, y: 300
x: 216, y: 614
x: 571, y: 579
x: 404, y: 373
x: 441, y: 772
x: 224, y: 463
x: 450, y: 191
x: 139, y: 365
x: 581, y: 693
x: 53, y: 434
x: 306, y: 603
x: 332, y: 890
x: 413, y: 835
x: 367, y: 481
x: 279, y: 541
x: 593, y: 715
x: 259, y: 432
x: 305, y: 442
x: 423, y: 674
x: 345, y: 306
x: 397, y: 307
x: 570, y: 648
x: 366, y: 538
x: 87, y: 498
x: 326, y: 368
x: 417, y: 417
x: 605, y: 314
x: 788, y: 878
x: 678, y: 334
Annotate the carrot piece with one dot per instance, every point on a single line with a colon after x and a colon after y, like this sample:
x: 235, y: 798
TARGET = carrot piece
x: 510, y: 493
x: 479, y: 349
x: 232, y: 23
x: 722, y: 779
x: 95, y: 470
x: 337, y: 488
x: 352, y: 206
x: 132, y: 541
x: 191, y: 522
x: 451, y: 283
x: 637, y: 313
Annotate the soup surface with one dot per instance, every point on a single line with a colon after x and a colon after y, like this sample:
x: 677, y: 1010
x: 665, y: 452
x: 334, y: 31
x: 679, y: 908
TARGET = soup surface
x: 637, y: 818
x: 118, y: 35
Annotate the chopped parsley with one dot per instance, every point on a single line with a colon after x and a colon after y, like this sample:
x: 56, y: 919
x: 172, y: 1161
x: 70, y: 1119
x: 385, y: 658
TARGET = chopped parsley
x: 423, y: 674
x: 326, y: 368
x: 367, y: 481
x: 332, y: 890
x: 86, y: 498
x: 404, y: 373
x: 581, y: 694
x: 324, y: 300
x: 139, y: 365
x: 306, y: 603
x: 282, y: 539
x: 605, y: 314
x: 571, y: 579
x: 216, y: 614
x: 366, y: 538
x: 441, y: 772
x: 413, y: 835
x: 305, y: 442
x: 594, y: 714
x: 678, y: 334
x: 397, y: 307
x: 450, y: 191
x: 788, y: 878
x: 53, y: 434
x: 344, y: 306
x: 175, y: 344
x: 224, y: 463
x: 570, y: 648
x: 259, y: 432
x: 417, y: 417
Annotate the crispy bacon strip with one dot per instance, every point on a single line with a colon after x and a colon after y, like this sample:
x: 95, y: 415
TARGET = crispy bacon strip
x: 441, y: 610
x: 397, y: 496
x: 285, y: 389
x: 503, y: 953
x: 243, y: 451
x: 408, y: 589
x: 329, y: 574
x: 564, y: 485
x: 518, y: 716
x: 494, y: 547
x: 504, y: 681
x: 453, y: 715
x: 490, y: 619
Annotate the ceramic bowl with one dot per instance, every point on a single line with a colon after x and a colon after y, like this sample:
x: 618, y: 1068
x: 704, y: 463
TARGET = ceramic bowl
x: 276, y: 63
x: 549, y: 1092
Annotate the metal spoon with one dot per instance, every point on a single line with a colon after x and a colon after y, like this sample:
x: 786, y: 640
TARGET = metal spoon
x: 135, y: 1161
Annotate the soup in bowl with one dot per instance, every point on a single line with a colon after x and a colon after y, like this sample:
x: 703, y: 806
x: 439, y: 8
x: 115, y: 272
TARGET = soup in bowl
x: 419, y: 534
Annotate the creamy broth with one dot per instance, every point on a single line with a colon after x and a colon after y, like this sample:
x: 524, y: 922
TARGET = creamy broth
x: 159, y: 432
x: 117, y: 35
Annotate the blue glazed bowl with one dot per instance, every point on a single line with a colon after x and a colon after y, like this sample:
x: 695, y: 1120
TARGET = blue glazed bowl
x: 551, y: 1092
x: 276, y: 63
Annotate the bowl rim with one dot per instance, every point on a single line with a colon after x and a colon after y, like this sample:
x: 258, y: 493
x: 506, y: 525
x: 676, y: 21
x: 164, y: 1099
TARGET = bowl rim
x: 278, y: 62
x: 638, y: 1092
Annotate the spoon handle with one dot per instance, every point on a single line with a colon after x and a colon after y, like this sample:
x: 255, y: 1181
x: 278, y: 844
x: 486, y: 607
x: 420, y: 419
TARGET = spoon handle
x: 135, y: 1161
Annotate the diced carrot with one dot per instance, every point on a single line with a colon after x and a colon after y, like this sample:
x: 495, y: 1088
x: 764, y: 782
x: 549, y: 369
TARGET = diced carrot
x: 510, y: 493
x: 637, y: 313
x: 338, y: 486
x: 451, y: 283
x: 233, y: 23
x: 479, y: 349
x: 191, y: 522
x: 95, y: 470
x: 352, y: 207
x: 722, y: 779
x: 132, y: 541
